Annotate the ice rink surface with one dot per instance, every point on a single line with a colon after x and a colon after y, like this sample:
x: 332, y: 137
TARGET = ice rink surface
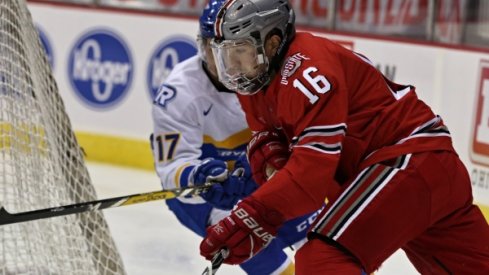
x: 150, y: 239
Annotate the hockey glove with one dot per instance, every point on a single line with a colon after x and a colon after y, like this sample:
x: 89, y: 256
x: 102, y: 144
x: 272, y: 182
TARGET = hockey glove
x: 244, y: 184
x: 268, y: 151
x: 227, y: 189
x: 247, y: 230
x: 209, y: 170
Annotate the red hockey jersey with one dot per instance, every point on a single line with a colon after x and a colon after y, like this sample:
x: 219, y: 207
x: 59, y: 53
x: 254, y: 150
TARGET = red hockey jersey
x: 340, y: 115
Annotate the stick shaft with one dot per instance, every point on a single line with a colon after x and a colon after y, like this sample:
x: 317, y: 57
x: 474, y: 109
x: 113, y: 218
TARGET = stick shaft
x: 216, y: 262
x: 9, y: 218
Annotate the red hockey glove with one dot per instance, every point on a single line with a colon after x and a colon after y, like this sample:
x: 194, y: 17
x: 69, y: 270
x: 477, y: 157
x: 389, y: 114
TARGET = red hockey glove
x: 267, y: 150
x: 248, y: 229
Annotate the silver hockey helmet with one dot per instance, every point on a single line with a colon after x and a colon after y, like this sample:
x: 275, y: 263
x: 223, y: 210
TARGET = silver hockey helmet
x: 241, y: 28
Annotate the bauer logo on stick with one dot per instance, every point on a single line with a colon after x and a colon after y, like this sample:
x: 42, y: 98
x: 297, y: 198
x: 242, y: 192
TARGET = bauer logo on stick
x: 479, y: 152
x: 169, y: 53
x: 100, y: 68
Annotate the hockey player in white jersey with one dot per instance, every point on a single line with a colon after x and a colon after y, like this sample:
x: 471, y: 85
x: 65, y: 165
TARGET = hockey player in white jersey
x: 200, y: 134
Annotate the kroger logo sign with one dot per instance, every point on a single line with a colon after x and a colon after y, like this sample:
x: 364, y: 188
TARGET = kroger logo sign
x: 46, y: 44
x: 170, y: 52
x: 100, y: 68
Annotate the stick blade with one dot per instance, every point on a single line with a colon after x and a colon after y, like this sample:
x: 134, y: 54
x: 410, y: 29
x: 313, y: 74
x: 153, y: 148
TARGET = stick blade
x: 5, y: 216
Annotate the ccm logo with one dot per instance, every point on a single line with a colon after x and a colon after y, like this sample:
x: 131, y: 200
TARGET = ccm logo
x: 479, y: 152
x: 254, y: 226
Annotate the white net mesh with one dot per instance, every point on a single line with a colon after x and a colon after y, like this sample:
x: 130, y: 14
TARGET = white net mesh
x: 41, y: 164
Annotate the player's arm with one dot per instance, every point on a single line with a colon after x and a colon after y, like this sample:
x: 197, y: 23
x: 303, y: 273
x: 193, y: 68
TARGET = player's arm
x: 177, y: 142
x: 318, y: 109
x: 268, y: 149
x: 177, y: 137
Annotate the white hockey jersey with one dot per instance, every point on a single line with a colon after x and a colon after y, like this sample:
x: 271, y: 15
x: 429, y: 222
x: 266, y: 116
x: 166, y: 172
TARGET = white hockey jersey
x: 193, y: 121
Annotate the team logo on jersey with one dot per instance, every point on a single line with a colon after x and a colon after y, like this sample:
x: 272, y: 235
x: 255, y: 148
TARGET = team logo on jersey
x: 480, y: 128
x: 100, y: 68
x: 169, y: 53
x: 164, y: 95
x: 46, y: 44
x: 291, y: 65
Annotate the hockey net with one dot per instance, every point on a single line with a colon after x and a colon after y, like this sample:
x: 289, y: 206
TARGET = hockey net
x: 41, y: 164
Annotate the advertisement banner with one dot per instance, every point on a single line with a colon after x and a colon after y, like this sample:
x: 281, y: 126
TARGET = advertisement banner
x: 383, y: 16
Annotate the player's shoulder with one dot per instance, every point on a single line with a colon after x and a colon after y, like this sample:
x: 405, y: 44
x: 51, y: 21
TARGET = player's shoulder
x: 300, y: 55
x: 313, y: 45
x: 186, y: 73
x: 308, y: 48
x: 309, y: 70
x: 308, y: 54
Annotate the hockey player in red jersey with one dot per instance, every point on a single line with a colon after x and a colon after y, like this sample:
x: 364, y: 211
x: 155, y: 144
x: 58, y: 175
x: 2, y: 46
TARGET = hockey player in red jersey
x: 371, y: 147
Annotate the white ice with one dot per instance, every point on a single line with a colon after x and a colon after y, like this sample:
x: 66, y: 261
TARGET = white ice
x: 150, y: 239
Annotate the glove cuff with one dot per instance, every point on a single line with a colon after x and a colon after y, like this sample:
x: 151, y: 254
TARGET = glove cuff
x: 262, y: 138
x: 186, y: 175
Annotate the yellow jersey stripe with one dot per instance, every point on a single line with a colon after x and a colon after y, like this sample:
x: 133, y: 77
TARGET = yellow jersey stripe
x: 231, y: 142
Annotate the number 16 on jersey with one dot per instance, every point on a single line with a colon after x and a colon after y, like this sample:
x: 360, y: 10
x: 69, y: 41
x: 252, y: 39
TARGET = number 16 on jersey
x: 319, y: 83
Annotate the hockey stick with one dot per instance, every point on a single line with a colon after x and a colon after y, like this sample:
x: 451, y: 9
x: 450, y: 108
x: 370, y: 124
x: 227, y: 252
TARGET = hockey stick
x: 216, y: 262
x: 9, y: 218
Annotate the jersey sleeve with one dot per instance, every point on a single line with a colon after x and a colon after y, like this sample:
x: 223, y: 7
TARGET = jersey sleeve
x: 177, y: 135
x: 316, y: 104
